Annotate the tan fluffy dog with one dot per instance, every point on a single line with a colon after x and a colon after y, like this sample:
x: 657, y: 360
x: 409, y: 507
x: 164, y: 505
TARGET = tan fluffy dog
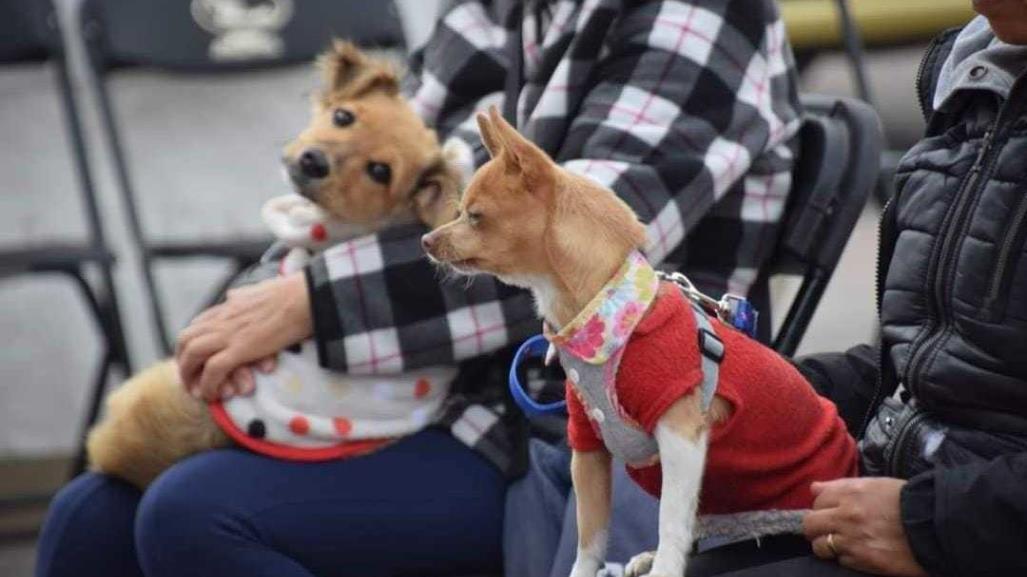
x: 367, y: 159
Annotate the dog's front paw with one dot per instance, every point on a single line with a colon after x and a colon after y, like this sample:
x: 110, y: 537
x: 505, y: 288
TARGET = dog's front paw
x: 640, y: 564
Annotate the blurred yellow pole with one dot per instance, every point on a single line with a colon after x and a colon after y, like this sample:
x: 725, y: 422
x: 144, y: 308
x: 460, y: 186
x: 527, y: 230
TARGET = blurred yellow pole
x: 814, y: 23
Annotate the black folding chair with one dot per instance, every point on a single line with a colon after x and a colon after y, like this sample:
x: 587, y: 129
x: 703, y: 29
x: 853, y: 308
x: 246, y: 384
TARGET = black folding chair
x: 205, y: 37
x: 29, y: 33
x: 837, y: 167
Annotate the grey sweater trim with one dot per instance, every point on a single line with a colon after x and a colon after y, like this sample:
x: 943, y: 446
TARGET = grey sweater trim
x: 752, y: 524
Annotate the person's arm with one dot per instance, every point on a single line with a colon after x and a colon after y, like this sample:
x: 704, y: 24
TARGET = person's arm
x: 690, y: 107
x: 669, y: 127
x: 847, y: 379
x: 970, y: 519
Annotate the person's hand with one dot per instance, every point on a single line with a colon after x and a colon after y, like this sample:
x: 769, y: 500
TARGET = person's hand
x: 864, y: 523
x: 254, y: 323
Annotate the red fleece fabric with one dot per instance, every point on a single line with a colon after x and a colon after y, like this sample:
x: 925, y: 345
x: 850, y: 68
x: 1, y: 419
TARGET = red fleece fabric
x: 780, y: 437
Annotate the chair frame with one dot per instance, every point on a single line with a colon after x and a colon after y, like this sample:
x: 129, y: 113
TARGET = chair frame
x: 73, y: 259
x: 817, y: 255
x: 241, y: 253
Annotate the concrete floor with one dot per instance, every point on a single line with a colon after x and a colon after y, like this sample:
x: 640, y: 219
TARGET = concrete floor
x: 195, y: 185
x: 17, y: 560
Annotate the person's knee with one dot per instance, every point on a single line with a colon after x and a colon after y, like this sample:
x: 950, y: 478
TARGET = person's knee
x: 180, y: 521
x: 88, y: 529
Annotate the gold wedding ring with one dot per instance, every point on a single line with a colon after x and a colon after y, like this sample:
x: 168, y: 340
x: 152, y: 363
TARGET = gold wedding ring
x: 830, y: 544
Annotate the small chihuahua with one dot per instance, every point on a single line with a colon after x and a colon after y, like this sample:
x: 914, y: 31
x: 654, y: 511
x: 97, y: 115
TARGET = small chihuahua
x: 365, y: 161
x: 689, y: 404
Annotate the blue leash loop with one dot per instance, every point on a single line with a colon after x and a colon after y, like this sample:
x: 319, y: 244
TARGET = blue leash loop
x: 535, y: 347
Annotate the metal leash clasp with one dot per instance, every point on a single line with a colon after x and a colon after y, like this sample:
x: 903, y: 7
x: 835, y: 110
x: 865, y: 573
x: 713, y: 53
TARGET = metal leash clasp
x: 733, y: 310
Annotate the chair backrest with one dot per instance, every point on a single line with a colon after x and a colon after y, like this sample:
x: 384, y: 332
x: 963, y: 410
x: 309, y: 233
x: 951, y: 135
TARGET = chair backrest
x: 837, y: 167
x: 218, y: 35
x: 30, y: 33
x: 27, y: 31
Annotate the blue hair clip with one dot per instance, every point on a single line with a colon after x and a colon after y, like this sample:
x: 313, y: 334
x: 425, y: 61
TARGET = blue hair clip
x: 535, y: 347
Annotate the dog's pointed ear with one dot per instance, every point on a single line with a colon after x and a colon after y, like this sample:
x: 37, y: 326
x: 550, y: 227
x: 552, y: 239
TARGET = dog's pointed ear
x: 436, y: 196
x: 488, y: 137
x: 346, y: 72
x: 521, y: 154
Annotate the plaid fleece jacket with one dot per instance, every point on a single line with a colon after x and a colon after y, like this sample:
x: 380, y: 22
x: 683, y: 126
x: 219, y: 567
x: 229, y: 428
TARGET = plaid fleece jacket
x: 686, y: 109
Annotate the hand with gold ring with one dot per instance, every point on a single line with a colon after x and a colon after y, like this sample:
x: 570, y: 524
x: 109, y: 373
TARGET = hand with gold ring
x: 858, y: 523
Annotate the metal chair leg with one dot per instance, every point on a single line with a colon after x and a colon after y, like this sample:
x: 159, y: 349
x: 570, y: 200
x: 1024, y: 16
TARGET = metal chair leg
x: 112, y: 312
x: 93, y: 412
x: 156, y: 306
x: 115, y: 352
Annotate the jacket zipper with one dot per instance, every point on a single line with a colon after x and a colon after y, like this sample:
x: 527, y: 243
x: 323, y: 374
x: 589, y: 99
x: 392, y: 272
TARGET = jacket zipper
x: 886, y: 234
x: 950, y: 215
x: 1013, y: 237
x: 879, y: 272
x: 947, y: 233
x: 981, y: 170
x: 922, y: 69
x: 883, y: 232
x: 901, y: 445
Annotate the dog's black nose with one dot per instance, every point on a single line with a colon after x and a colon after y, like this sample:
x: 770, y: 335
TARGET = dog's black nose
x: 313, y: 163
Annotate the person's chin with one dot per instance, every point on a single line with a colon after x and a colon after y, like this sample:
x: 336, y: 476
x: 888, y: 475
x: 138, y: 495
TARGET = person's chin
x: 1011, y: 33
x: 1007, y: 18
x: 996, y: 7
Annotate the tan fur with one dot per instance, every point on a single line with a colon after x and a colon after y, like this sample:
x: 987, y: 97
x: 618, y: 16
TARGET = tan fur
x: 386, y: 130
x: 590, y: 473
x: 150, y: 422
x: 537, y: 220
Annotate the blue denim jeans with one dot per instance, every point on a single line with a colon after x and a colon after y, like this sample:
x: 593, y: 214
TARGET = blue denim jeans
x: 427, y: 505
x: 540, y: 535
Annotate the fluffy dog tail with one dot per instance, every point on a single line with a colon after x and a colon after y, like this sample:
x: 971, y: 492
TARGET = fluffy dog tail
x: 150, y: 424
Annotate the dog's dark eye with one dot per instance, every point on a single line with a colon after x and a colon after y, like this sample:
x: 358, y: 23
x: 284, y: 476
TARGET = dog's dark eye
x: 474, y: 217
x: 380, y: 173
x: 343, y: 118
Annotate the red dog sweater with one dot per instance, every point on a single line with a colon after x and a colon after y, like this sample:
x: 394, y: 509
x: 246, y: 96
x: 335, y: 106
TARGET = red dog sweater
x: 780, y: 436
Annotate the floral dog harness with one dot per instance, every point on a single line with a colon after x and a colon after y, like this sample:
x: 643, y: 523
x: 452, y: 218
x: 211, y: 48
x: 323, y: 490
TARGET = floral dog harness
x: 304, y: 412
x: 590, y: 348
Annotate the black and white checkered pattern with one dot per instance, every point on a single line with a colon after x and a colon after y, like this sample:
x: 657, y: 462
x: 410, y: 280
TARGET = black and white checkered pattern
x: 686, y: 109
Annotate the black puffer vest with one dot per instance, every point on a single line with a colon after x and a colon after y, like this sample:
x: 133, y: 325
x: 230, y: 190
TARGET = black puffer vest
x: 953, y: 301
